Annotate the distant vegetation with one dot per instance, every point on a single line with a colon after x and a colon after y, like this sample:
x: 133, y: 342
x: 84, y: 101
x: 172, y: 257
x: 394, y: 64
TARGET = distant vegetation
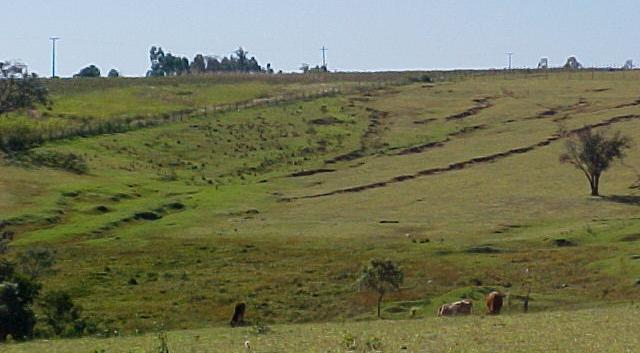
x: 89, y: 71
x: 306, y: 69
x: 572, y: 64
x: 170, y: 65
x: 19, y: 89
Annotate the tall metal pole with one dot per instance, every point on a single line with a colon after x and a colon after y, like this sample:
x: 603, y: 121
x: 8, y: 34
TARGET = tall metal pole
x: 510, y: 55
x: 53, y: 55
x: 324, y: 59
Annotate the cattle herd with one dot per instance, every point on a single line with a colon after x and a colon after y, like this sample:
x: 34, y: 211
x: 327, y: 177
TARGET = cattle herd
x: 493, y: 302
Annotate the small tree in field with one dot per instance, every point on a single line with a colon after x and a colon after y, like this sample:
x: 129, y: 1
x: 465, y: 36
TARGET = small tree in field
x: 381, y: 277
x: 593, y: 153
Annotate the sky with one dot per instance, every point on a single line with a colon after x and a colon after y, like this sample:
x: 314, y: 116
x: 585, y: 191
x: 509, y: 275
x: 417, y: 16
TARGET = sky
x: 360, y: 35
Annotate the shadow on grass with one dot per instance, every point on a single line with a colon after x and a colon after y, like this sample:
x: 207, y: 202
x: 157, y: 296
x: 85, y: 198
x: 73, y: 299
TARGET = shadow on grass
x: 632, y: 200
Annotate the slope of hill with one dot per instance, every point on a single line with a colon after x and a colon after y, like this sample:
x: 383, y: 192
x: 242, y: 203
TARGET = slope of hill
x: 280, y: 205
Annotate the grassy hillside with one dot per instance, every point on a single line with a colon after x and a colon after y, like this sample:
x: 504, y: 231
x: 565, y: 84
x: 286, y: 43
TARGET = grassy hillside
x: 86, y: 107
x: 281, y: 205
x: 596, y: 330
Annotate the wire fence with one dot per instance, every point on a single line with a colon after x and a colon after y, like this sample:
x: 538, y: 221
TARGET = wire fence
x: 21, y: 134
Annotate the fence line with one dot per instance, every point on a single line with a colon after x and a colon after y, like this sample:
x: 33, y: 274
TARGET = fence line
x: 24, y: 134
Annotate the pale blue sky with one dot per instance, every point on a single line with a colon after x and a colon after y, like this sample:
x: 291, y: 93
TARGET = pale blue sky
x: 360, y: 35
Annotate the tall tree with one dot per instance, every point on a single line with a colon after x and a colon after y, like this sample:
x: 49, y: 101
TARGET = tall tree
x: 572, y: 63
x: 184, y: 66
x: 198, y: 65
x: 241, y: 58
x: 381, y: 276
x: 156, y: 55
x: 227, y: 64
x: 253, y: 66
x: 213, y: 64
x: 171, y: 64
x: 593, y: 152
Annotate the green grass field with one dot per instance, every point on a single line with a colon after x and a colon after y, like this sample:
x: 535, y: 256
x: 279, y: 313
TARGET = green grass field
x: 280, y: 206
x: 597, y: 330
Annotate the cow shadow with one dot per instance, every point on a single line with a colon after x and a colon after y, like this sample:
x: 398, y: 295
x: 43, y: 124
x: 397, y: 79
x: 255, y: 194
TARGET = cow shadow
x: 632, y: 200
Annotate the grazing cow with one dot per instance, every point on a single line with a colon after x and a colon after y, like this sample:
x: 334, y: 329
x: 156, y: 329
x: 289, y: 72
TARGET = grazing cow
x: 493, y: 302
x: 462, y: 307
x: 238, y: 315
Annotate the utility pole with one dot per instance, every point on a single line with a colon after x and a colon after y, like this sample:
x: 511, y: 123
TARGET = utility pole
x: 324, y: 58
x: 53, y: 55
x: 510, y: 55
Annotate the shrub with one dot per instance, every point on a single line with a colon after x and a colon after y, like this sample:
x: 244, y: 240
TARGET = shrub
x: 17, y: 135
x: 17, y: 294
x: 373, y: 344
x: 35, y: 262
x: 62, y: 315
x: 349, y: 341
x: 20, y: 90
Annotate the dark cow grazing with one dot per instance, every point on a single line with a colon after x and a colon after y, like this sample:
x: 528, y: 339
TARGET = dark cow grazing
x: 493, y: 302
x: 462, y: 307
x: 238, y: 315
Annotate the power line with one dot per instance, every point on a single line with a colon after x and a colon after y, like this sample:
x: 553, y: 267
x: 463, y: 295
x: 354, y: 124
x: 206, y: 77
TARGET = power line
x: 53, y: 55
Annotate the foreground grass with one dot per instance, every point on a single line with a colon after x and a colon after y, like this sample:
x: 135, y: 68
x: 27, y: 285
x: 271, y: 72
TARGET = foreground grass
x: 613, y: 329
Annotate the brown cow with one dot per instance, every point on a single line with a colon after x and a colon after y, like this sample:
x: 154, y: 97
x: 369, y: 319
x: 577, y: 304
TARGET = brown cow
x: 493, y: 301
x: 462, y: 307
x: 238, y: 315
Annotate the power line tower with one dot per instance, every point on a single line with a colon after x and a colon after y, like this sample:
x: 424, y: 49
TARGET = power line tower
x: 510, y: 56
x: 324, y: 58
x: 53, y: 55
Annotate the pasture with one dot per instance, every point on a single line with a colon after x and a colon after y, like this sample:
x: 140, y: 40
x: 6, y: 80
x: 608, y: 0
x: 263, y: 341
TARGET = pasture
x: 280, y: 206
x: 613, y: 329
